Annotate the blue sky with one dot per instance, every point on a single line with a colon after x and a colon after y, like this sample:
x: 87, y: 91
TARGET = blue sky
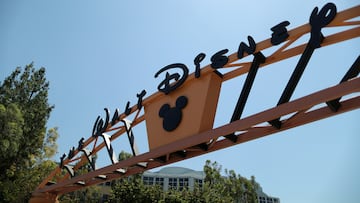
x: 101, y: 54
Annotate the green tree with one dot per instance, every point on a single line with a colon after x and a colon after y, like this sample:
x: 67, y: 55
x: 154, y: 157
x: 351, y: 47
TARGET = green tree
x: 215, y: 188
x: 25, y: 146
x: 124, y: 155
x: 11, y: 122
x: 132, y: 189
x: 228, y: 188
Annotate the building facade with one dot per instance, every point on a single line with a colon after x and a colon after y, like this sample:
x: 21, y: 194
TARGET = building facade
x: 176, y: 178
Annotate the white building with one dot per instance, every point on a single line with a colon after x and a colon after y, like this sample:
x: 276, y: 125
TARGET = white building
x: 174, y: 178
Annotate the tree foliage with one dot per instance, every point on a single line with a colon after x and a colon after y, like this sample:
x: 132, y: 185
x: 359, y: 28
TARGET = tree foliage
x: 11, y: 122
x: 132, y: 189
x: 24, y: 144
x: 229, y: 188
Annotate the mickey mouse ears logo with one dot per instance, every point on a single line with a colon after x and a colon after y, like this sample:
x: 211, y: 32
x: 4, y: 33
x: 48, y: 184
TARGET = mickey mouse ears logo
x: 172, y: 115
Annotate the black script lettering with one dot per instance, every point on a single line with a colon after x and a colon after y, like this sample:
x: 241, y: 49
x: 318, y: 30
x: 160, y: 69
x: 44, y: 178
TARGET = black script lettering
x: 259, y: 58
x: 90, y: 158
x: 99, y: 125
x: 317, y: 21
x: 320, y: 20
x: 130, y: 134
x: 71, y: 153
x: 131, y: 137
x: 127, y: 109
x: 165, y: 85
x: 140, y: 99
x: 280, y: 33
x: 197, y: 61
x: 70, y: 170
x: 245, y: 48
x: 62, y: 160
x: 94, y: 131
x: 354, y: 71
x: 218, y: 60
x: 109, y: 148
x: 81, y: 144
x: 115, y: 117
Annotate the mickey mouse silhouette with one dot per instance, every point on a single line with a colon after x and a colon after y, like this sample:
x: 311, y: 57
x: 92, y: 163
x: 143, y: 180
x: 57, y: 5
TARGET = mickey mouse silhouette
x: 172, y: 116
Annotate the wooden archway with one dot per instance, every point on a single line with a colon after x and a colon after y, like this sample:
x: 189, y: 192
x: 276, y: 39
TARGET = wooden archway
x: 202, y: 138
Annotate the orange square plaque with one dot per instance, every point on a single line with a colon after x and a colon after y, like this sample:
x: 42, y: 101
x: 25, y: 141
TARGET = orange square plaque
x: 197, y: 116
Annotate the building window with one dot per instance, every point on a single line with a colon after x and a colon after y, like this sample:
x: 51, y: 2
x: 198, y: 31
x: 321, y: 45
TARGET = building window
x: 148, y: 180
x: 199, y: 183
x: 262, y: 200
x: 173, y: 183
x: 159, y: 181
x: 183, y: 183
